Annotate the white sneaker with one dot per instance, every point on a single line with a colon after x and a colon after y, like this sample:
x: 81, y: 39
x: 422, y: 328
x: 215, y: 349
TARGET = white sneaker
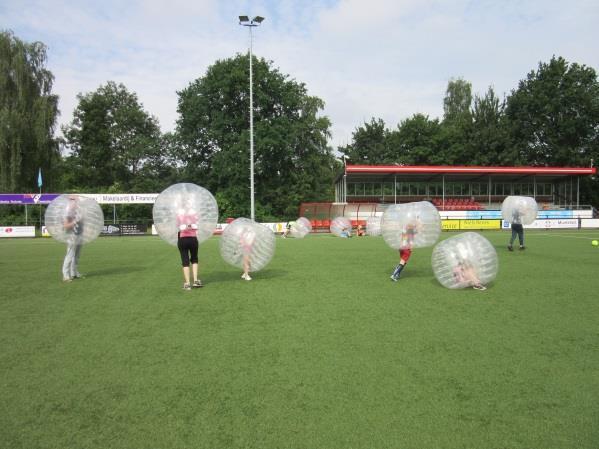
x: 247, y: 277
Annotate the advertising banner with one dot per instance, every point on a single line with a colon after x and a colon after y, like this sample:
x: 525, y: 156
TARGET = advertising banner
x: 122, y: 198
x: 111, y: 230
x: 483, y: 214
x: 27, y: 198
x: 220, y: 227
x: 277, y: 228
x: 450, y: 225
x: 17, y: 231
x: 553, y: 224
x: 590, y: 223
x: 101, y: 198
x: 133, y: 229
x: 480, y: 224
x: 555, y: 214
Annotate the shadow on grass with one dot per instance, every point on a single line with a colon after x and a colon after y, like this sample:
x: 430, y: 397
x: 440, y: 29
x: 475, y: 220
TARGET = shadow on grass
x: 122, y: 270
x: 235, y: 275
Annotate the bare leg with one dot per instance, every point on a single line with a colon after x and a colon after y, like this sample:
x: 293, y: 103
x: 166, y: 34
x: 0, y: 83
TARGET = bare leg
x: 194, y: 269
x: 186, y: 274
x: 246, y: 268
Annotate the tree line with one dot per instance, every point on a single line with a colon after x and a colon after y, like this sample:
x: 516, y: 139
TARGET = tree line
x: 114, y: 145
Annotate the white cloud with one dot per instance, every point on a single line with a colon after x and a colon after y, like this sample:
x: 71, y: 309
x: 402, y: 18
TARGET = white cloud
x: 381, y: 58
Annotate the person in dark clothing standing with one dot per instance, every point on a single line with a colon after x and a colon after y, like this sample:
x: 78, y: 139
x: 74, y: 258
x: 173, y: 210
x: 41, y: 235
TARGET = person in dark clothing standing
x: 517, y: 230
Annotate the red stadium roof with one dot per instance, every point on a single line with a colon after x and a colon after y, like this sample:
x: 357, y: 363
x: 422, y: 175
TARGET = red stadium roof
x: 464, y: 170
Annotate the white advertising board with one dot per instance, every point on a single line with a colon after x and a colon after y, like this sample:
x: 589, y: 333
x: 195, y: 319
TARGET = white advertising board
x: 590, y: 223
x: 122, y: 198
x: 555, y: 223
x: 17, y: 231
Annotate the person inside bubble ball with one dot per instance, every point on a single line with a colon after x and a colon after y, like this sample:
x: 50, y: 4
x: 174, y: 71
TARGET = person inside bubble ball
x: 345, y: 233
x: 73, y: 227
x: 464, y: 274
x: 187, y: 242
x: 360, y: 232
x: 517, y: 230
x: 287, y: 229
x: 246, y: 242
x: 409, y: 232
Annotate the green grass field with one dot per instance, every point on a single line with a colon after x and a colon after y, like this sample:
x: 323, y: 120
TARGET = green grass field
x: 320, y: 350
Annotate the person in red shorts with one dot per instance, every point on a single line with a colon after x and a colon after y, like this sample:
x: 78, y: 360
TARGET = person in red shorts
x: 407, y: 240
x: 404, y: 256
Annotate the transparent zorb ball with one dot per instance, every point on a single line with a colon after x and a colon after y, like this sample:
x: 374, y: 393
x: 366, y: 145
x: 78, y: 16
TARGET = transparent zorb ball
x: 246, y: 238
x: 465, y: 260
x: 411, y: 225
x: 519, y: 210
x: 74, y: 219
x: 373, y: 225
x: 341, y: 225
x: 300, y: 228
x: 185, y: 202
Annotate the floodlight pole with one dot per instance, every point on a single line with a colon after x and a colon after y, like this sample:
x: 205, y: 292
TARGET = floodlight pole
x: 256, y: 21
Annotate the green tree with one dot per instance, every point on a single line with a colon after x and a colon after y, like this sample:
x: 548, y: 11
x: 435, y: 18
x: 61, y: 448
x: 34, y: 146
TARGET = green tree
x: 456, y: 125
x: 370, y: 144
x: 292, y: 161
x: 554, y: 119
x: 489, y: 142
x: 457, y: 101
x: 554, y: 114
x: 28, y: 112
x: 415, y: 141
x: 112, y: 140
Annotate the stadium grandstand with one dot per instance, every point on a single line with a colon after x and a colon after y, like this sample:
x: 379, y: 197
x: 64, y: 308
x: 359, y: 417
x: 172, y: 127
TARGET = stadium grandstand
x: 457, y: 191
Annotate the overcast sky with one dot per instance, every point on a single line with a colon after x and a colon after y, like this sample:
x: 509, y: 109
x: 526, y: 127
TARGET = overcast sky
x: 364, y: 58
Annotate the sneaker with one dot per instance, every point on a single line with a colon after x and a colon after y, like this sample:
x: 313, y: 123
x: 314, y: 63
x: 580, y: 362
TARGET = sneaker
x: 197, y: 284
x: 78, y: 276
x: 186, y: 286
x: 510, y: 248
x: 479, y: 287
x: 67, y: 280
x: 394, y: 278
x: 247, y: 277
x: 522, y: 247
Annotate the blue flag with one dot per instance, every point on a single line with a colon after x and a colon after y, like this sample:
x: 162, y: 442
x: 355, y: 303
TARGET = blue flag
x: 39, y: 178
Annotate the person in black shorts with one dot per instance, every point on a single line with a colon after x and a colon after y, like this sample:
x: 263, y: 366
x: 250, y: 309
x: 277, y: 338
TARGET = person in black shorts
x: 187, y: 242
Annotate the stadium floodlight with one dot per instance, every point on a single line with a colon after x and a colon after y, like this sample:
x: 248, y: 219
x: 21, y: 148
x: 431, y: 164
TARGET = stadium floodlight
x: 256, y: 21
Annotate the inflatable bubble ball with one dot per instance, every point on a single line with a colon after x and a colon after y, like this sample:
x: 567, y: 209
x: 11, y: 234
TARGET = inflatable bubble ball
x: 373, y: 225
x: 300, y: 228
x: 245, y: 238
x: 185, y: 205
x: 519, y: 209
x: 465, y: 260
x: 411, y: 225
x: 341, y: 227
x: 74, y: 219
